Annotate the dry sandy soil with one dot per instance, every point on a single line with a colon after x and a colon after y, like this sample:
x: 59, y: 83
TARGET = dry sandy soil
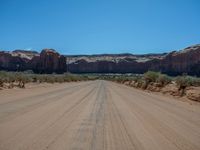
x: 95, y: 115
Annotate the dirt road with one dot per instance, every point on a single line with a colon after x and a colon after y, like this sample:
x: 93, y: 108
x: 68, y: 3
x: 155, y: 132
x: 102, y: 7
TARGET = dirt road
x: 95, y: 115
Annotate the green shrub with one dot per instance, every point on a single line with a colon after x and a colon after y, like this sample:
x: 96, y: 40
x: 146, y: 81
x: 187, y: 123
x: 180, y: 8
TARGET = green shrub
x: 1, y: 82
x: 151, y: 76
x: 50, y: 79
x: 7, y: 77
x: 22, y: 78
x: 59, y: 79
x: 163, y: 79
x: 144, y: 84
x: 184, y: 81
x: 193, y: 81
x: 140, y: 83
x: 2, y: 77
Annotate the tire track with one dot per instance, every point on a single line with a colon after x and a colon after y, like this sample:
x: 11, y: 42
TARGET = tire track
x: 129, y: 140
x: 37, y: 101
x: 41, y: 119
x: 150, y: 121
x: 93, y: 123
x: 97, y: 115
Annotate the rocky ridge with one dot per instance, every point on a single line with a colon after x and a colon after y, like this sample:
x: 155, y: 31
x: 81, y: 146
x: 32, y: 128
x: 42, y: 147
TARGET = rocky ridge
x: 173, y: 63
x: 48, y: 61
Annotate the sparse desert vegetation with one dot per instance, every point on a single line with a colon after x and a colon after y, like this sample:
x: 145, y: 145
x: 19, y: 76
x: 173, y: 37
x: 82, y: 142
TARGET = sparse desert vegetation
x: 19, y: 79
x: 152, y: 81
x: 155, y: 81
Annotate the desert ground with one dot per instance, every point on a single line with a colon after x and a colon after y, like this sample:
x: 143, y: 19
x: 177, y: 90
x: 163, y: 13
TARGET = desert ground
x: 95, y: 115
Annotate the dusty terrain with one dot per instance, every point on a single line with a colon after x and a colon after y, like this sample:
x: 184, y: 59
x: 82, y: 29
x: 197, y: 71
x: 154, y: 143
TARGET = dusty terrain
x: 95, y: 115
x: 171, y: 89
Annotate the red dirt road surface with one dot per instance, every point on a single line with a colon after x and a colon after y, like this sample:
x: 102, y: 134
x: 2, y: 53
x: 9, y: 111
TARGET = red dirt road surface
x: 95, y: 115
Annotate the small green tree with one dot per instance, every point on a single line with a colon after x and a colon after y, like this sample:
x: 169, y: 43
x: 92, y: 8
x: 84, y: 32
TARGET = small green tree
x: 151, y: 76
x: 163, y: 79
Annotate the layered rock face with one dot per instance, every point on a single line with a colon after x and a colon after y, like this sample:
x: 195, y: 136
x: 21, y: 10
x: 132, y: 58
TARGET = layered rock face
x: 184, y: 61
x: 175, y: 63
x: 102, y: 66
x: 12, y: 63
x: 48, y: 61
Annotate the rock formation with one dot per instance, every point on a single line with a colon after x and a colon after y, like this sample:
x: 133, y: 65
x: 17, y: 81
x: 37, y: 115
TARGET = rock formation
x: 49, y: 61
x: 175, y: 63
x: 12, y: 63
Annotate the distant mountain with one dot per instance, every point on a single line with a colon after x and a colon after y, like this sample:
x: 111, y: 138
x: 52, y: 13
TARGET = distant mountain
x: 173, y: 63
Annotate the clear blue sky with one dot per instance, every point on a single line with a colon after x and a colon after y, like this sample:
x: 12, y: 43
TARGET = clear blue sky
x: 99, y: 26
